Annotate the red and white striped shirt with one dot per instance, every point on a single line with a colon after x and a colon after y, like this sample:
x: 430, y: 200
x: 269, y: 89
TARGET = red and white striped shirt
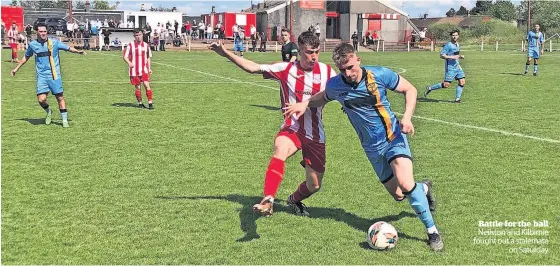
x: 13, y: 35
x: 138, y: 53
x: 297, y: 85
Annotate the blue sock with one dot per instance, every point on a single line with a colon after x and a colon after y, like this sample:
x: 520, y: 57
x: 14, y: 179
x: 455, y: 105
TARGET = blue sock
x: 436, y: 86
x: 419, y: 203
x: 458, y: 92
x: 536, y: 66
x: 64, y: 114
x: 527, y: 67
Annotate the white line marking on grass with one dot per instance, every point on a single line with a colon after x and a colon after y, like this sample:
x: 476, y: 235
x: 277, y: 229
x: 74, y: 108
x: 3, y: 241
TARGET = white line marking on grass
x: 507, y: 133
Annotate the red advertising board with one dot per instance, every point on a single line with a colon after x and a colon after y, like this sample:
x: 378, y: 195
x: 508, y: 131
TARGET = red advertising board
x: 12, y: 14
x: 312, y: 4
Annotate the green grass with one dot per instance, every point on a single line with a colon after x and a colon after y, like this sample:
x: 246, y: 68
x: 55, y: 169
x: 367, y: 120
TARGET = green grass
x: 175, y: 186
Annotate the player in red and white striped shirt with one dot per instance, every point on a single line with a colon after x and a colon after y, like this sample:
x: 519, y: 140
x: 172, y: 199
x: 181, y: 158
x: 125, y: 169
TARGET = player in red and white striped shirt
x: 13, y: 36
x: 298, y: 82
x: 137, y: 55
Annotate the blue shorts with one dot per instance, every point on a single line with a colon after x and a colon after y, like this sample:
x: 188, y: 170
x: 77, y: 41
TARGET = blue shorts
x: 453, y: 74
x: 533, y: 52
x: 49, y: 85
x: 238, y: 47
x: 381, y: 159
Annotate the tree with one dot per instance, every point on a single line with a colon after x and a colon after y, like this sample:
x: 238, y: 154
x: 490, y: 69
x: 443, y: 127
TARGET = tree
x: 462, y: 11
x: 450, y: 13
x: 481, y: 7
x: 79, y: 4
x: 503, y: 10
x: 545, y: 13
x: 101, y: 5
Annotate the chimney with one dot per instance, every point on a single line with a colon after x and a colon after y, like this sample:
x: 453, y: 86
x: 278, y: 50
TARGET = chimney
x: 425, y: 15
x: 88, y: 6
x: 213, y: 9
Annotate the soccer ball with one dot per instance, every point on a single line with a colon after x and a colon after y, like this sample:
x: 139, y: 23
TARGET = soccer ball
x: 382, y: 236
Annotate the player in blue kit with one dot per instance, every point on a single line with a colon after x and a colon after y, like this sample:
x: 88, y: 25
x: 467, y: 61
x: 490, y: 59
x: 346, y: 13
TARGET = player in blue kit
x: 47, y: 64
x: 535, y: 40
x: 450, y: 53
x: 362, y: 93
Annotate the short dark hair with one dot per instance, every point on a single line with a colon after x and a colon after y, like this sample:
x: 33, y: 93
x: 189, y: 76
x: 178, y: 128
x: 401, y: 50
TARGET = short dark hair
x: 40, y: 24
x: 342, y: 52
x: 137, y: 30
x: 453, y: 31
x: 309, y: 39
x: 284, y: 30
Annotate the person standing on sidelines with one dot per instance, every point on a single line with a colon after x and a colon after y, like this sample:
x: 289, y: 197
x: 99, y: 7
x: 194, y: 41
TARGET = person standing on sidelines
x: 535, y: 40
x: 13, y: 41
x: 137, y: 55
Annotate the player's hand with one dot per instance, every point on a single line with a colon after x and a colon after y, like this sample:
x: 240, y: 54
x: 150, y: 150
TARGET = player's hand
x: 461, y: 57
x: 406, y: 126
x: 150, y: 71
x: 295, y: 108
x: 130, y: 65
x: 82, y: 52
x: 218, y: 47
x: 542, y: 52
x: 13, y: 72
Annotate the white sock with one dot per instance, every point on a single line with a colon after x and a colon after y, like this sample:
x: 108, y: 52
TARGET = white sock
x: 425, y: 188
x: 432, y: 230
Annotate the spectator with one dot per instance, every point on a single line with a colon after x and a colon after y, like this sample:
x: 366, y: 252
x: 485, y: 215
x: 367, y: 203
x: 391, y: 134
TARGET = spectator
x: 201, y: 30
x: 147, y: 33
x: 253, y: 30
x: 177, y: 42
x: 209, y: 33
x: 263, y: 42
x: 106, y: 33
x: 163, y: 34
x: 375, y: 37
x: 116, y: 43
x: 254, y: 39
x: 355, y: 40
x: 194, y: 26
x: 176, y: 26
x: 29, y: 31
x: 87, y: 35
x: 3, y: 32
x: 220, y: 29
x: 235, y: 30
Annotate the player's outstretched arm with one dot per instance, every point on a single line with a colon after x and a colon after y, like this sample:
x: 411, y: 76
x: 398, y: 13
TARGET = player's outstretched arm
x: 410, y: 94
x: 75, y: 51
x: 299, y: 109
x: 241, y: 62
x: 21, y: 63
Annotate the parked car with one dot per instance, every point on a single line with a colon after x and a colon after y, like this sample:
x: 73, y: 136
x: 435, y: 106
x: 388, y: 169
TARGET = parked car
x: 53, y: 24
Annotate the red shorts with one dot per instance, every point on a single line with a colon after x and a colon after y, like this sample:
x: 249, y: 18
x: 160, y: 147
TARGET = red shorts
x: 137, y: 80
x: 313, y: 153
x: 13, y: 45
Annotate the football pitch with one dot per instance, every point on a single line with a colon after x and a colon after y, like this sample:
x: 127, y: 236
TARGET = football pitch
x: 125, y: 185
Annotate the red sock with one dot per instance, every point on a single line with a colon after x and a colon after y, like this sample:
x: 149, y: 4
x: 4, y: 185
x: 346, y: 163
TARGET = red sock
x: 138, y: 94
x: 14, y: 54
x: 273, y: 176
x: 149, y: 95
x: 301, y: 193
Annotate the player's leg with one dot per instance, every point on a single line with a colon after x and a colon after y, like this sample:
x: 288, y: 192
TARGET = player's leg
x: 535, y: 65
x: 135, y: 81
x: 42, y: 99
x: 528, y: 63
x: 56, y: 89
x: 285, y: 145
x: 398, y: 157
x: 314, y: 158
x: 146, y: 82
x: 460, y: 77
x: 445, y: 84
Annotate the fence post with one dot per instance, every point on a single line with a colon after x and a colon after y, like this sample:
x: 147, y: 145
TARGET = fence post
x: 408, y: 46
x: 431, y: 46
x: 324, y: 46
x: 189, y: 44
x: 496, y: 46
x: 550, y: 42
x: 377, y: 48
x: 383, y: 46
x: 482, y: 46
x: 276, y: 46
x: 522, y: 45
